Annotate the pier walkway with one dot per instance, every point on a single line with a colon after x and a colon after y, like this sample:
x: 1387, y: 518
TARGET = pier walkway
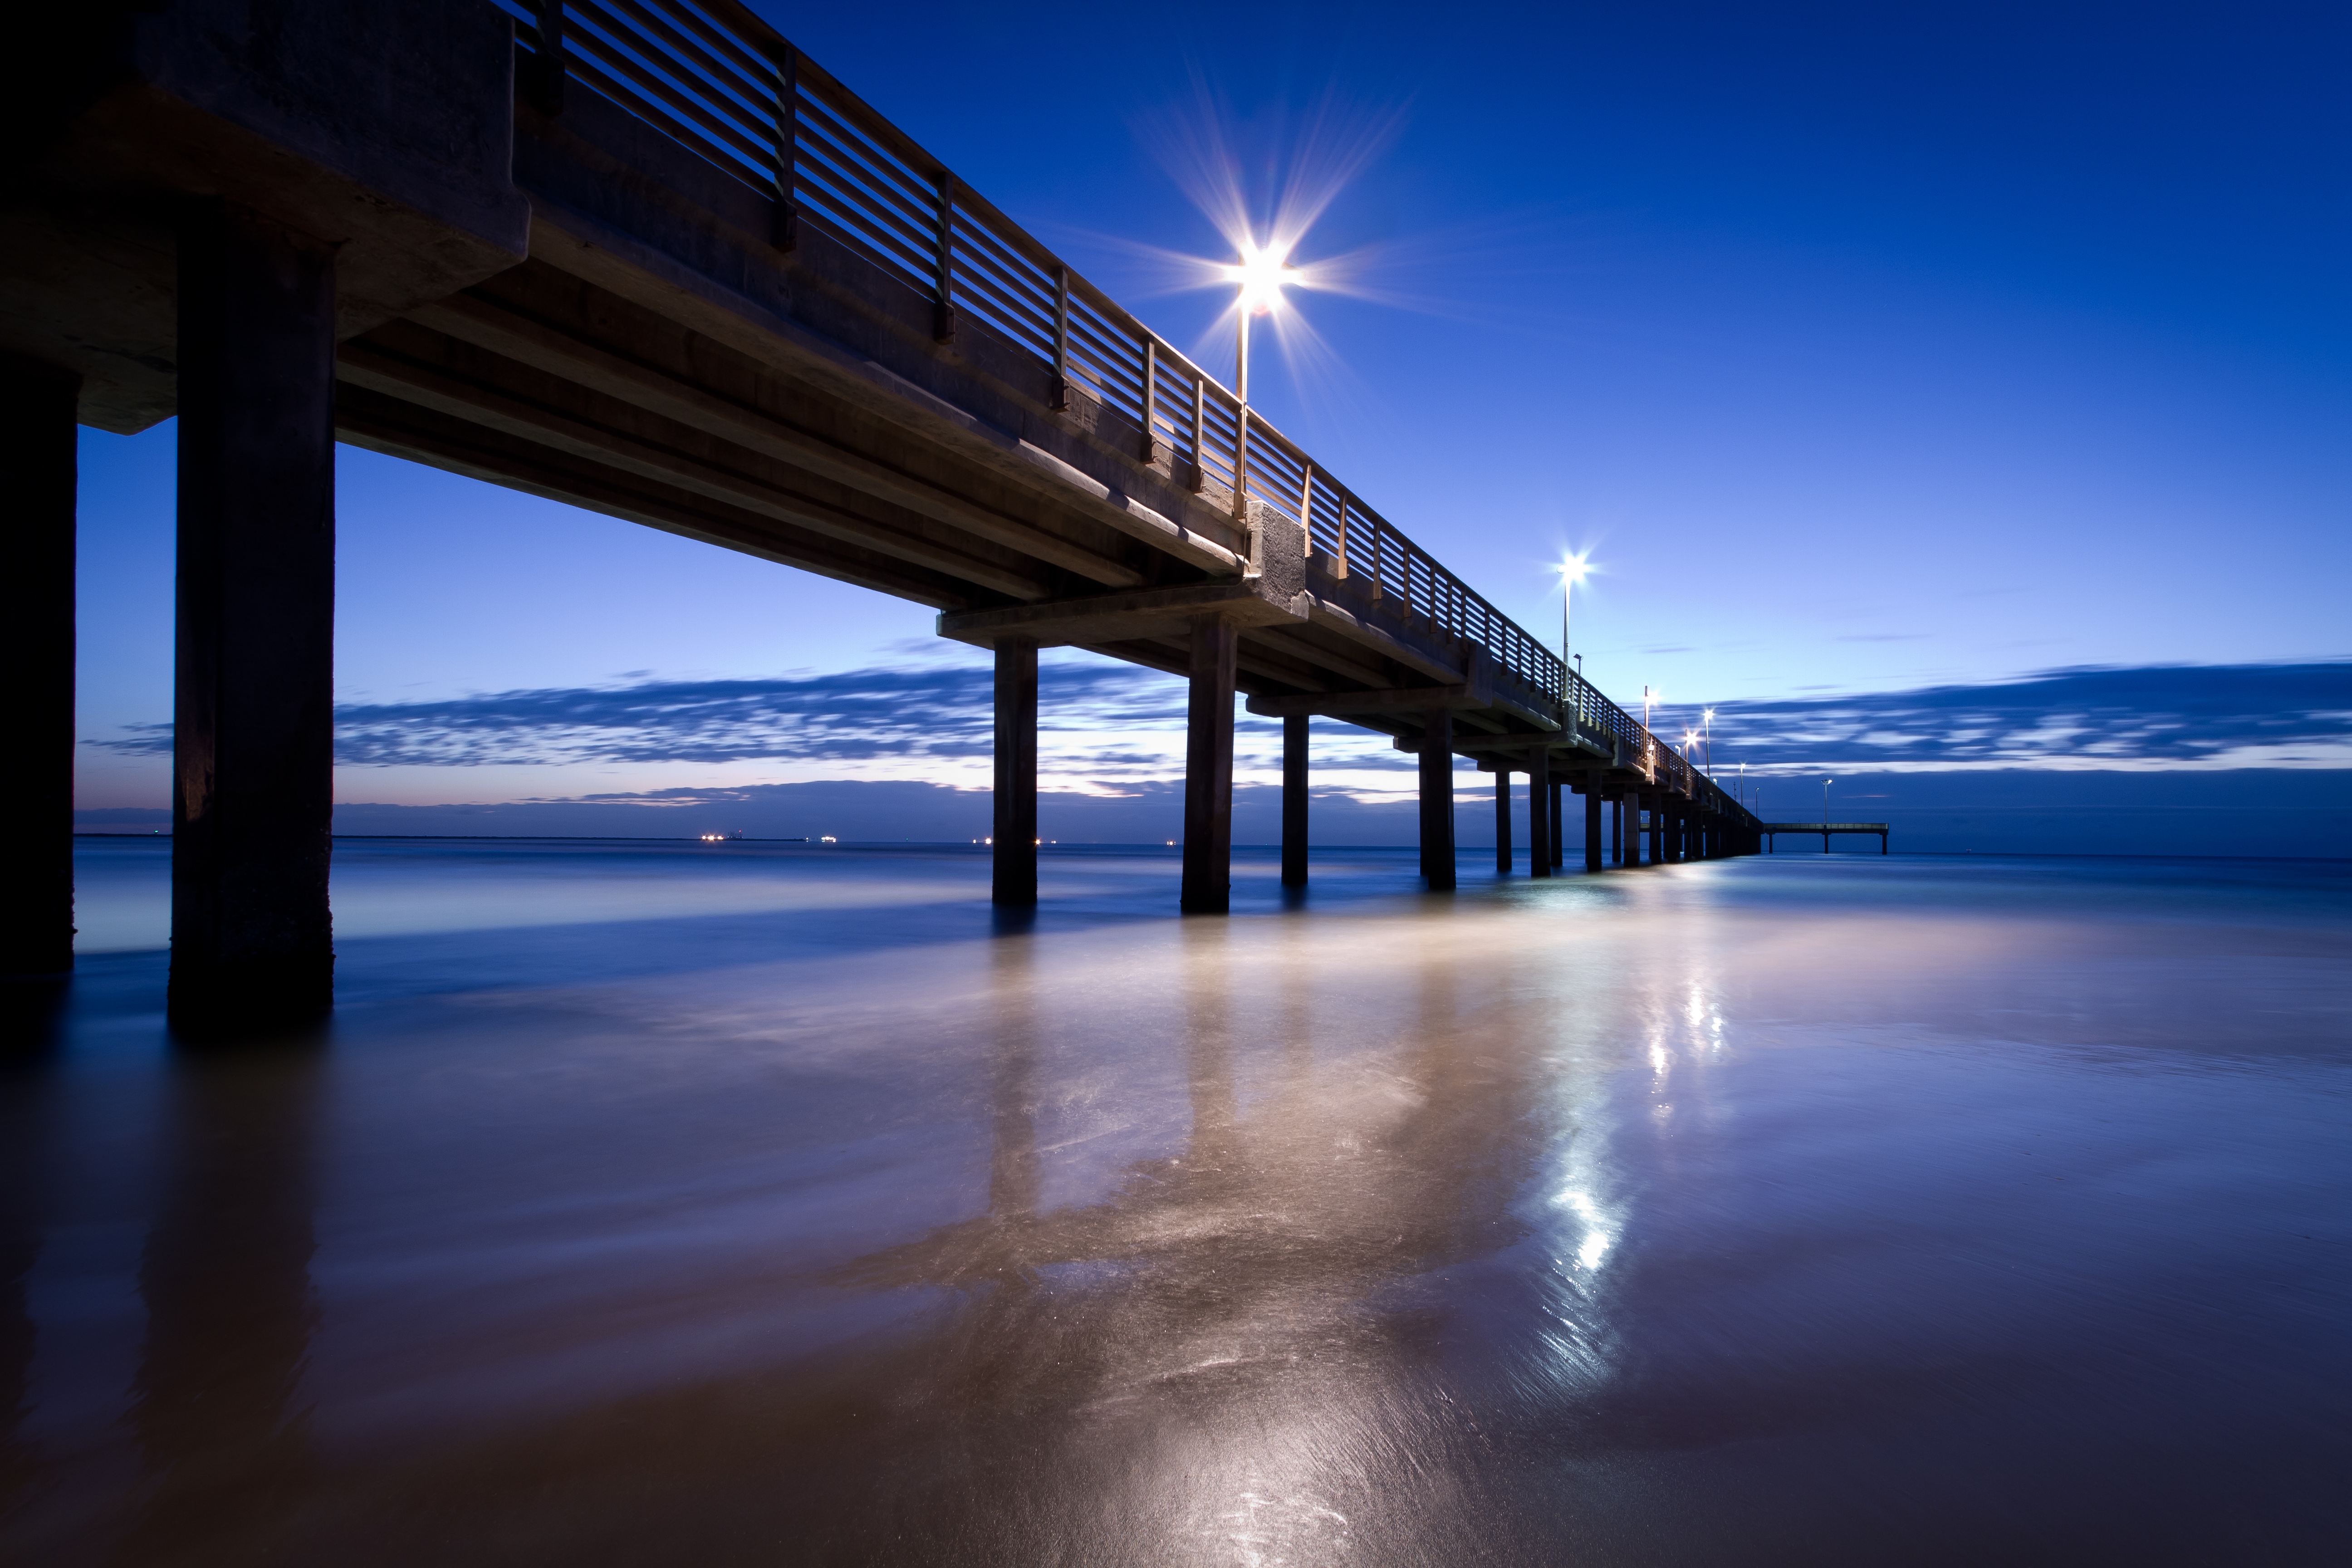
x: 645, y: 257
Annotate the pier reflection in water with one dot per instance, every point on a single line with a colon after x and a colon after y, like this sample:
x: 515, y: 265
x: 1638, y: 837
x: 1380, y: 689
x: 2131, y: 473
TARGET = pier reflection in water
x: 1736, y: 1212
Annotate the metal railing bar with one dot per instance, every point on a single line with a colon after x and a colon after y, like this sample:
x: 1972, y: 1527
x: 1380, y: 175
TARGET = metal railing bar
x: 757, y: 151
x: 1024, y: 326
x: 880, y: 223
x: 1107, y: 342
x: 1028, y: 294
x: 754, y: 83
x: 658, y: 44
x: 978, y: 246
x: 902, y: 204
x: 859, y: 149
x: 714, y: 32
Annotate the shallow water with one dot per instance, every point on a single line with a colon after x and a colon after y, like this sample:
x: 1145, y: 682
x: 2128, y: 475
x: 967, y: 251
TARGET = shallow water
x: 704, y: 1204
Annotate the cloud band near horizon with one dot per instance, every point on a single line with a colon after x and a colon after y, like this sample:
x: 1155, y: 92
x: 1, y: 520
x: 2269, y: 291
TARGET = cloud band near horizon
x: 2155, y: 718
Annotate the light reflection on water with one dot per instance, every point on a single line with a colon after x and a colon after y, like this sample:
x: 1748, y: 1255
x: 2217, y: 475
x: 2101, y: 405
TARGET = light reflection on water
x: 1743, y: 1212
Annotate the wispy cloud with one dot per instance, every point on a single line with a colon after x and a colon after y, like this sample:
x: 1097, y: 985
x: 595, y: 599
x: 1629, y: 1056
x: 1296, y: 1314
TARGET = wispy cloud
x: 2158, y: 718
x: 2162, y: 717
x: 853, y: 715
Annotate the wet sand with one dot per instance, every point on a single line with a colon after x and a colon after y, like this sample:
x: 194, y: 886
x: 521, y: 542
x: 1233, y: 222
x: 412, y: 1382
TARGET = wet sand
x: 674, y: 1203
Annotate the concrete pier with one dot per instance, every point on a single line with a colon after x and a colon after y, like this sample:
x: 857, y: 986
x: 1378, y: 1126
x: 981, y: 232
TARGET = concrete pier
x: 1014, y: 884
x: 253, y: 750
x: 37, y: 641
x: 1209, y: 770
x: 292, y: 223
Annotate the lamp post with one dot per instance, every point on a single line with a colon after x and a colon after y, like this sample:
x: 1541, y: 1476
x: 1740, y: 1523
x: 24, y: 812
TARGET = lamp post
x: 1571, y: 573
x: 1826, y: 814
x: 1241, y: 347
x: 1258, y: 277
x: 1707, y: 737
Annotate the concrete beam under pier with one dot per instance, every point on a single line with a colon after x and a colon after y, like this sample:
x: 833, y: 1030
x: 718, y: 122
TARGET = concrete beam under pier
x: 1115, y: 617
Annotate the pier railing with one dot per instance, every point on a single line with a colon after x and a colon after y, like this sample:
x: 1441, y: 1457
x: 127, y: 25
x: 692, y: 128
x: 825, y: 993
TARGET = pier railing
x: 715, y: 77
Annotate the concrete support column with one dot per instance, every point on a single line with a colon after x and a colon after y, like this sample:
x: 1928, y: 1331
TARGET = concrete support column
x: 1294, y: 800
x: 1552, y: 809
x: 1501, y: 820
x: 37, y: 437
x: 1674, y: 823
x: 1617, y: 830
x: 1592, y: 819
x: 253, y: 748
x: 1540, y: 795
x: 1015, y: 881
x: 1437, y: 801
x: 1209, y: 770
x: 1658, y: 828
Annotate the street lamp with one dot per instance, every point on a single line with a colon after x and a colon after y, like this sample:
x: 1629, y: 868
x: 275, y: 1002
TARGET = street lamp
x: 1259, y: 276
x: 1707, y: 734
x: 1826, y: 814
x: 1571, y: 572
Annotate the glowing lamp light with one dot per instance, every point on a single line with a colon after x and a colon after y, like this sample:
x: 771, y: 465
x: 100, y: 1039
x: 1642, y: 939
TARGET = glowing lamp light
x: 1260, y: 275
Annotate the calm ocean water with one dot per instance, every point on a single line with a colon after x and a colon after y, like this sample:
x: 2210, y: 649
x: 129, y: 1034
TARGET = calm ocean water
x: 670, y: 1204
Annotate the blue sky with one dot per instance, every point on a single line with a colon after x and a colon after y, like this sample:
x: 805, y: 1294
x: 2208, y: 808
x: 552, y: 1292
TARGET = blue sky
x: 1870, y: 354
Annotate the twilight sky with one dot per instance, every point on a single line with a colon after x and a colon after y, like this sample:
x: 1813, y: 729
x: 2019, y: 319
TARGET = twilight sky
x: 1878, y: 355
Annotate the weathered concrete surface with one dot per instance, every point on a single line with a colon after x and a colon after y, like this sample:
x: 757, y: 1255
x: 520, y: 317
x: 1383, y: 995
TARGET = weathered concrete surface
x: 383, y: 131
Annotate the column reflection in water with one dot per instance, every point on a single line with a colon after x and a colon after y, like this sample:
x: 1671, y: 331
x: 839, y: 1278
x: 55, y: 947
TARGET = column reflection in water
x: 226, y: 1278
x: 26, y: 1116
